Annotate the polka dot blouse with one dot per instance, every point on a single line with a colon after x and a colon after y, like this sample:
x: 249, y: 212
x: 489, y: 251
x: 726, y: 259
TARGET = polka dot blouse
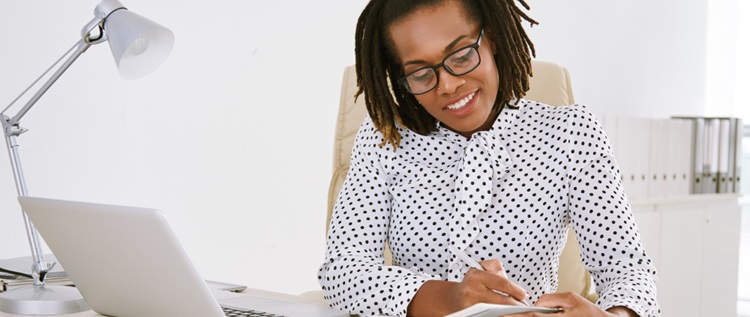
x: 509, y: 193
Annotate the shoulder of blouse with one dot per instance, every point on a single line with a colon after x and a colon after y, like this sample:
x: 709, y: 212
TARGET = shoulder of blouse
x: 539, y: 109
x: 574, y: 123
x: 369, y: 145
x: 567, y: 119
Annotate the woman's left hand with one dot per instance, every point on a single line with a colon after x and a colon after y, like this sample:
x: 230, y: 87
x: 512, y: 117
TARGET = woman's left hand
x: 576, y: 306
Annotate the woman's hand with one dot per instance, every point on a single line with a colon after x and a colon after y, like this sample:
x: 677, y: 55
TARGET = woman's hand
x: 575, y: 305
x: 436, y: 298
x: 485, y: 285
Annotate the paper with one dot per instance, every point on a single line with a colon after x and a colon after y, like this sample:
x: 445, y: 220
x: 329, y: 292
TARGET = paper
x: 493, y: 310
x: 23, y: 265
x: 57, y: 276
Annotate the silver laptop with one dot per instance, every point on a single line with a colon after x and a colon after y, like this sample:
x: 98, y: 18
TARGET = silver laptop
x: 128, y: 262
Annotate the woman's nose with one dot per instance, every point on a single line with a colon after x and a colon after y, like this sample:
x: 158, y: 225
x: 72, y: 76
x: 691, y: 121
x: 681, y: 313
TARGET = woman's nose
x: 448, y: 83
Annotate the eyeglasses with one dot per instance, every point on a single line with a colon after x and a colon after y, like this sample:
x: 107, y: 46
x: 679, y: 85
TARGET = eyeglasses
x: 457, y: 63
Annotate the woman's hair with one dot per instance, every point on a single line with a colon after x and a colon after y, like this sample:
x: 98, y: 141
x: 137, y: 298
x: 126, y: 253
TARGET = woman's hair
x: 378, y: 69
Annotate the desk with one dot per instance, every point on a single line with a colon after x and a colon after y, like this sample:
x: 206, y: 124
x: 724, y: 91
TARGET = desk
x: 249, y: 291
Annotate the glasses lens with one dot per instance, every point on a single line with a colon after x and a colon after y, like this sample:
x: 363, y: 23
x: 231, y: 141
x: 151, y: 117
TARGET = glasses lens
x: 421, y: 80
x: 462, y: 61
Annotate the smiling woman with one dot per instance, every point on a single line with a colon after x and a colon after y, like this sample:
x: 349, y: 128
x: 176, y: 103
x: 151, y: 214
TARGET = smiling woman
x: 455, y: 158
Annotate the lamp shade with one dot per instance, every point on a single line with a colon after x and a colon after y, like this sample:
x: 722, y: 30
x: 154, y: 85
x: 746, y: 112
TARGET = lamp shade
x: 139, y: 45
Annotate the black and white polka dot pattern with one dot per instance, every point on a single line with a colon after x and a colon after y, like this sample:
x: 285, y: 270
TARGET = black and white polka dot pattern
x: 509, y: 193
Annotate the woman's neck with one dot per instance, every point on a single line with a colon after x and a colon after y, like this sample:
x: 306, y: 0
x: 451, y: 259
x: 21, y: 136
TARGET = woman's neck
x: 486, y: 126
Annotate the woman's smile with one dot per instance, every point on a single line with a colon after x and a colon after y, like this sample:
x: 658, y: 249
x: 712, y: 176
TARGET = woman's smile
x: 461, y: 103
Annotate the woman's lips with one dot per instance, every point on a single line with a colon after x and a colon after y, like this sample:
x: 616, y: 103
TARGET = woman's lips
x: 463, y: 106
x: 461, y: 103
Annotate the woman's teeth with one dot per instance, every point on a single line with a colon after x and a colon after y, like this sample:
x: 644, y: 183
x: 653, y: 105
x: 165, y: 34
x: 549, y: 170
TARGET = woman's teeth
x: 461, y: 103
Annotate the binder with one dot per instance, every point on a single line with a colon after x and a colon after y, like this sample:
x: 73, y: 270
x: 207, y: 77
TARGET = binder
x: 711, y: 156
x: 699, y: 142
x: 697, y: 156
x: 632, y: 137
x: 687, y: 157
x: 660, y: 182
x: 680, y: 156
x: 725, y: 151
x: 736, y: 134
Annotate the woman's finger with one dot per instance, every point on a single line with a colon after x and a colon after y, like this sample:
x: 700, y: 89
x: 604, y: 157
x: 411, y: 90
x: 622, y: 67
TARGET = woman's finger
x: 494, y: 266
x: 496, y: 283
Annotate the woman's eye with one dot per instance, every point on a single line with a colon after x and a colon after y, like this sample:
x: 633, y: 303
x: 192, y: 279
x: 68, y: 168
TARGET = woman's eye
x: 422, y: 75
x: 461, y: 57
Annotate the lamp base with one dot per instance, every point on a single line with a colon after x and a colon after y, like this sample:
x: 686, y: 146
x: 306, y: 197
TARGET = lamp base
x: 42, y: 300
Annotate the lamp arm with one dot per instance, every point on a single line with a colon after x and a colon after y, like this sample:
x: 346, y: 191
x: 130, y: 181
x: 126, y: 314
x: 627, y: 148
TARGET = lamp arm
x: 39, y: 268
x: 80, y: 48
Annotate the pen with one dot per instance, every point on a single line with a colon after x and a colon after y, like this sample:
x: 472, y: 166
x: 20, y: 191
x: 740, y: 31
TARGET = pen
x: 465, y: 257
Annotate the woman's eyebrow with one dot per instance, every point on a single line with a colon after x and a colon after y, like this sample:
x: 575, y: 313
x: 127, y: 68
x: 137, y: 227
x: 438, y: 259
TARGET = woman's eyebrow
x: 446, y: 50
x: 453, y: 44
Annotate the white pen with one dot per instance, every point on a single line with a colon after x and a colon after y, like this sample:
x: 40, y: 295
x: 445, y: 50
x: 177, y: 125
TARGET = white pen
x: 465, y: 257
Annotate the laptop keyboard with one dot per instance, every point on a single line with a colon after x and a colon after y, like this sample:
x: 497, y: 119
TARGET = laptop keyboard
x: 230, y: 312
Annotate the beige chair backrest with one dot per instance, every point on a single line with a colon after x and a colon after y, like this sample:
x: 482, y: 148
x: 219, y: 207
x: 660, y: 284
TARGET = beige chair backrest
x: 550, y: 84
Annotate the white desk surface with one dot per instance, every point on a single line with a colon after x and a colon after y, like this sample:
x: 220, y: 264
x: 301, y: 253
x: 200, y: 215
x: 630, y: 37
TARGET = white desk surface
x: 249, y: 291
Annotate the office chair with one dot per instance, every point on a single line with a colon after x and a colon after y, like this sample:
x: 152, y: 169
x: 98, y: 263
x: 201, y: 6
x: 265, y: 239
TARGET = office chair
x: 550, y: 84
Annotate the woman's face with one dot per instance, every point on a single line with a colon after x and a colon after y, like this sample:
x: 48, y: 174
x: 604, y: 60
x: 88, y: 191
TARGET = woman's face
x: 424, y: 38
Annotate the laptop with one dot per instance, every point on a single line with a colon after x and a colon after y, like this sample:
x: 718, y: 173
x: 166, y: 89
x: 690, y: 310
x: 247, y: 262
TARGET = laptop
x: 128, y: 262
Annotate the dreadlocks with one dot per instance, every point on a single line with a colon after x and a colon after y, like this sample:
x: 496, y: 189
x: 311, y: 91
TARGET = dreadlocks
x: 378, y: 69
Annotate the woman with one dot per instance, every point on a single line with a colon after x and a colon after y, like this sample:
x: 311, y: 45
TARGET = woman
x: 460, y: 161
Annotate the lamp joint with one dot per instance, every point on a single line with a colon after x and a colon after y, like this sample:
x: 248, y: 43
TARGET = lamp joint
x: 12, y: 129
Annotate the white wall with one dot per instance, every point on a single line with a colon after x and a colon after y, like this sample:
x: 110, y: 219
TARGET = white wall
x: 644, y: 58
x: 232, y: 136
x: 722, y: 67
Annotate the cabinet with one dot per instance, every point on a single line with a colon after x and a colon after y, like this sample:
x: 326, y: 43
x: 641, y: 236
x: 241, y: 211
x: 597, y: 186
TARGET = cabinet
x: 694, y: 242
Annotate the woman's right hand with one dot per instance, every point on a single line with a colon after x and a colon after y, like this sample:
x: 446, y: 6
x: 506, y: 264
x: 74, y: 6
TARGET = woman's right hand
x: 483, y: 286
x: 442, y: 297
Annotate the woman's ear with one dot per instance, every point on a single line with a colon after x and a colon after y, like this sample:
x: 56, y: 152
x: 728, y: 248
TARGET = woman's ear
x: 490, y: 38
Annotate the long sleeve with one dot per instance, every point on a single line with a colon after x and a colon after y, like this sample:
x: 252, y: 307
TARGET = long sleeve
x: 354, y: 277
x: 604, y: 223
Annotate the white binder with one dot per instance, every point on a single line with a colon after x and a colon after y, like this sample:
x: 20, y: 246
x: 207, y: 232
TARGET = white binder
x: 724, y: 182
x: 632, y: 151
x: 711, y: 155
x: 660, y: 182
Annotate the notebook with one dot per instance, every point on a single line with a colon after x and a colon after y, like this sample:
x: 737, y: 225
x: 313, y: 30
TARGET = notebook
x: 127, y: 262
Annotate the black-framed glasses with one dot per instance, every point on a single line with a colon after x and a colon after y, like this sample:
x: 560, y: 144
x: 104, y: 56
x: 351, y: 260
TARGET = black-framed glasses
x: 459, y: 62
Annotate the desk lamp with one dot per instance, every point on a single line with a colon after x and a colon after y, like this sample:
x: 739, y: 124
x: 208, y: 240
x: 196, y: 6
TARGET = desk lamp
x: 139, y: 46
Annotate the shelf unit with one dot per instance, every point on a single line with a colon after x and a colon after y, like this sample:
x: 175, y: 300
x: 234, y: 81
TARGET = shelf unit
x: 694, y: 243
